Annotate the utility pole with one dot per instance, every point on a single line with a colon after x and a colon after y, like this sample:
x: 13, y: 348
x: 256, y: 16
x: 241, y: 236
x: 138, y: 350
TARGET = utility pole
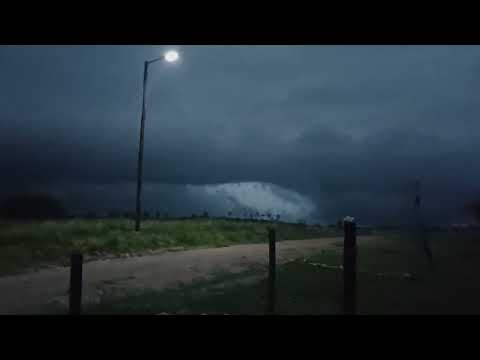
x: 170, y: 56
x: 140, y: 152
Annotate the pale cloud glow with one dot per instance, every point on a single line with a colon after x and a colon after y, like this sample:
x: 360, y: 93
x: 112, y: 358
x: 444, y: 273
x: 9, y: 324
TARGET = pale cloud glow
x: 264, y: 198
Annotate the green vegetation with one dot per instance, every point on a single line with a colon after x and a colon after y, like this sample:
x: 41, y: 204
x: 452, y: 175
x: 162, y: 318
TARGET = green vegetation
x: 393, y: 278
x: 27, y: 245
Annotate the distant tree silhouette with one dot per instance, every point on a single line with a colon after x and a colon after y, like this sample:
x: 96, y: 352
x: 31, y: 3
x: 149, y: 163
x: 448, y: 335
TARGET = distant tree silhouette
x: 32, y: 206
x: 474, y: 209
x: 205, y: 214
x: 477, y: 212
x: 340, y: 224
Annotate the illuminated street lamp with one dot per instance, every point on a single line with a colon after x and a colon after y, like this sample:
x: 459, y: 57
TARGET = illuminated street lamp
x: 171, y: 57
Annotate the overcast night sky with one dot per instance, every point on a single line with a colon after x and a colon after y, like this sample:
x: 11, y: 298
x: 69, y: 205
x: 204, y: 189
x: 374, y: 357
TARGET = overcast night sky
x: 309, y: 132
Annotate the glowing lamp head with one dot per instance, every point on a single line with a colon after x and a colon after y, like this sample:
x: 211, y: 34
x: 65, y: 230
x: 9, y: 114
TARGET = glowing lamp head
x: 171, y: 56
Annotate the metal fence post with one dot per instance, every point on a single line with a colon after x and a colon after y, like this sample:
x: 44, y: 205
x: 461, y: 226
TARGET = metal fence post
x: 271, y: 271
x: 349, y: 267
x: 75, y: 303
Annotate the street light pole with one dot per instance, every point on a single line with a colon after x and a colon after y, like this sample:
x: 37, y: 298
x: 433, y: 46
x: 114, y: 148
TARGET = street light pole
x: 140, y: 151
x: 170, y: 57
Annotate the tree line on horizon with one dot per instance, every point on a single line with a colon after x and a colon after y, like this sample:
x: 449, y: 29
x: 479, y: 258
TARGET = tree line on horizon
x: 29, y: 206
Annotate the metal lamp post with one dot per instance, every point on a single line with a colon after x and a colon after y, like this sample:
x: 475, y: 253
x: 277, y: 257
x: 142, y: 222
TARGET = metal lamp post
x: 171, y: 56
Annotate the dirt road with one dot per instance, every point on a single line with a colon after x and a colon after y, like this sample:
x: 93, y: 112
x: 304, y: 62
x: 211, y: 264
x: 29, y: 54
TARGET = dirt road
x: 29, y: 293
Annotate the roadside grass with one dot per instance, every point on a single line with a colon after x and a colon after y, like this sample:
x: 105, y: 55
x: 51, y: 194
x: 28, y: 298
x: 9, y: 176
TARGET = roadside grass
x: 393, y: 278
x: 31, y: 245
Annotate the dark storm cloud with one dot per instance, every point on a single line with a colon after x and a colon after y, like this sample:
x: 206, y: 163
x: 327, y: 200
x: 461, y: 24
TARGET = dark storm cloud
x: 350, y: 127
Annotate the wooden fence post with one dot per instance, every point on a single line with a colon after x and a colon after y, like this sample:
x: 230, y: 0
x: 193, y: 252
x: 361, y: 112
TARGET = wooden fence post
x: 349, y: 267
x: 75, y: 303
x: 271, y: 271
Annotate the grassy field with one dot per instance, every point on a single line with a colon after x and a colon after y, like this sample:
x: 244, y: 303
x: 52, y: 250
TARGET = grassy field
x: 35, y: 244
x: 393, y: 278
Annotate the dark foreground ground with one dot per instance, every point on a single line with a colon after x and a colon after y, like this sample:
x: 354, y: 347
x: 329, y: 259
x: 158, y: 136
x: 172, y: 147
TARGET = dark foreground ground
x: 394, y: 278
x: 171, y: 267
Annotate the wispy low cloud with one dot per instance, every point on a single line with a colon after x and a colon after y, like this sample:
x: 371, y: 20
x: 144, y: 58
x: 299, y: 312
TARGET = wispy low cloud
x: 264, y: 198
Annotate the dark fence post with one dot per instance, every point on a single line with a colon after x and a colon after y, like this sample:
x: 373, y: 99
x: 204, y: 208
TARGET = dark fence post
x: 271, y: 271
x: 349, y: 267
x: 75, y: 292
